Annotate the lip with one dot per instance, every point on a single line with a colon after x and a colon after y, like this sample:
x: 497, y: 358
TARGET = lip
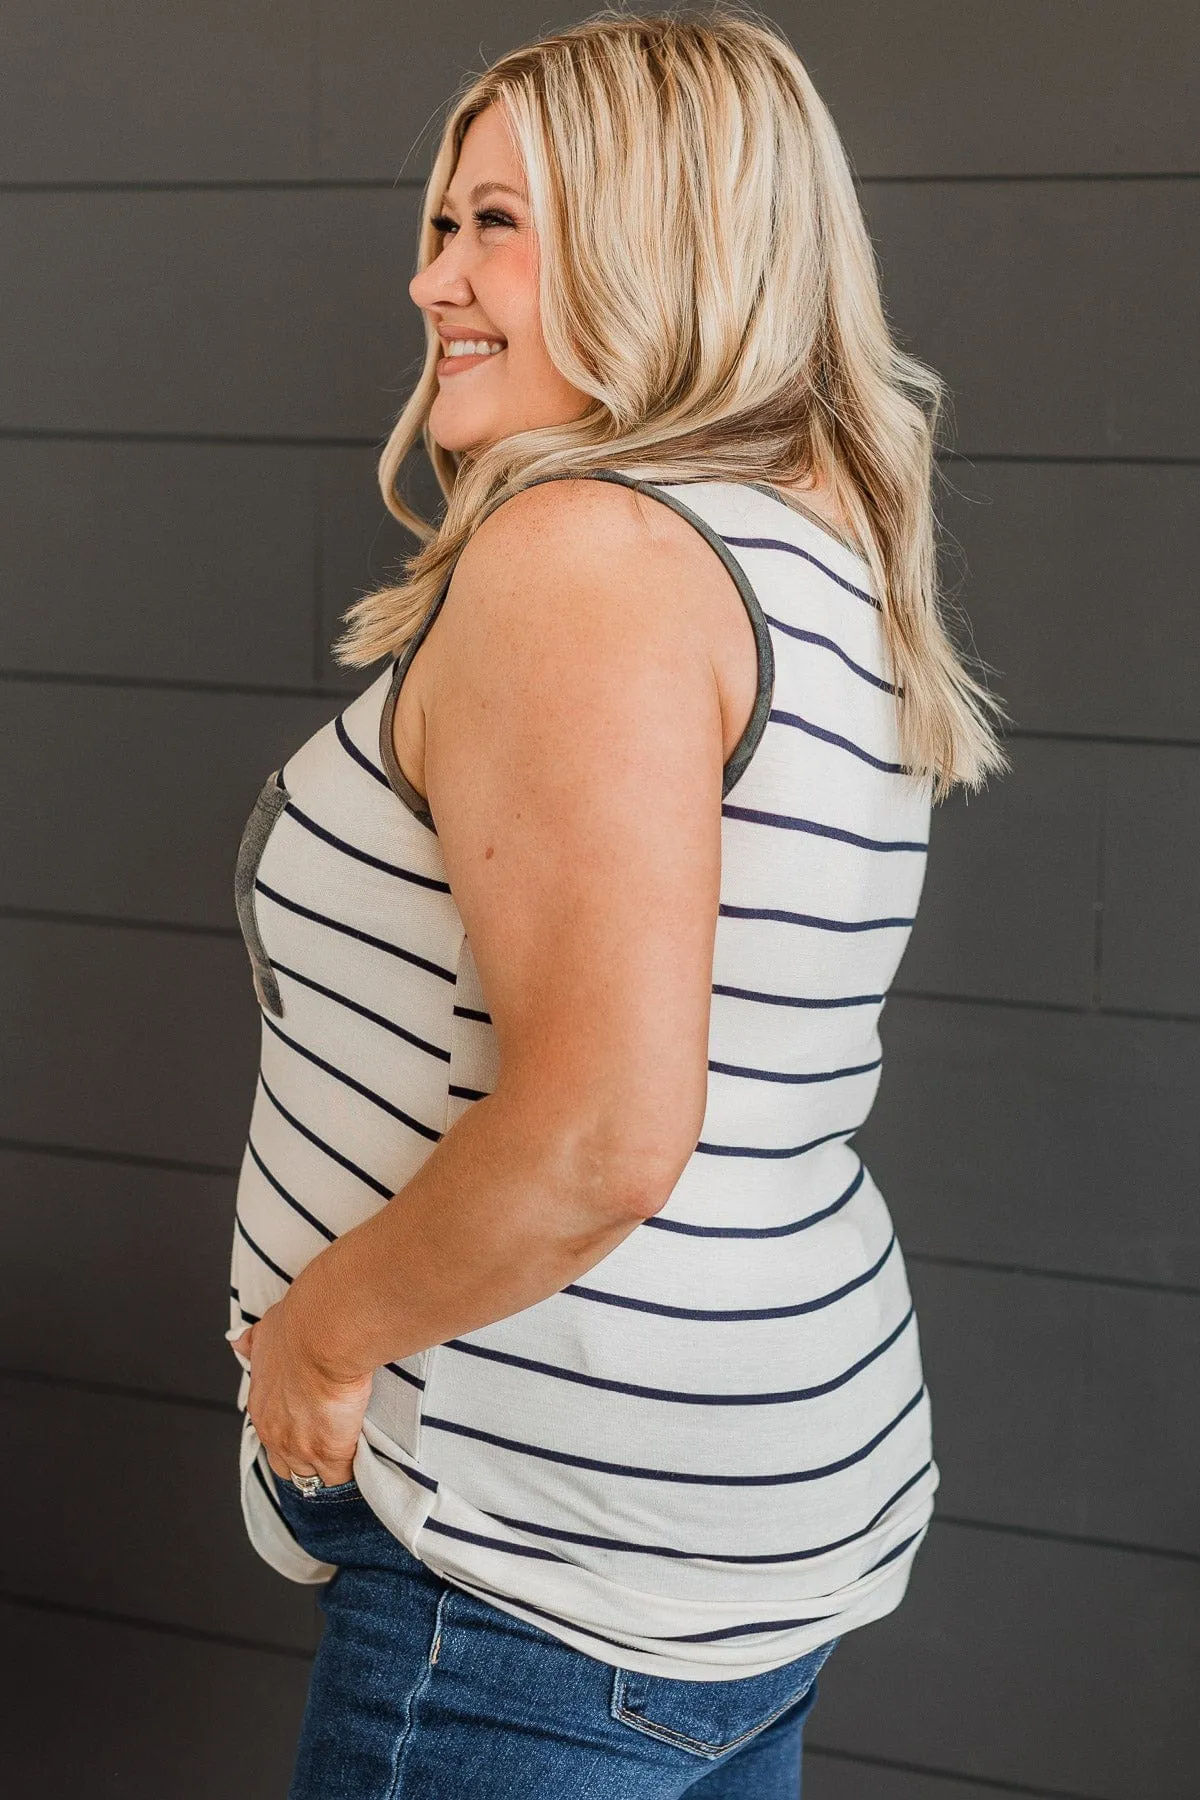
x: 456, y: 365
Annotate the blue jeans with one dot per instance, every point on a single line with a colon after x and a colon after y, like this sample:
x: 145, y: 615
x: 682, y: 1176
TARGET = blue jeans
x: 420, y: 1691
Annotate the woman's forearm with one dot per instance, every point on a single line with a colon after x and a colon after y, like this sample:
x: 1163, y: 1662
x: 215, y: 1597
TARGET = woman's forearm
x: 500, y: 1215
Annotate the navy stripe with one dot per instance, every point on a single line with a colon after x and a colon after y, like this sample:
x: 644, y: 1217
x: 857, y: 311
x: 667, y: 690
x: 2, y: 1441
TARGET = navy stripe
x: 364, y: 856
x: 783, y: 823
x: 417, y: 1475
x: 657, y: 1221
x: 405, y: 1375
x: 715, y: 1315
x: 827, y: 643
x: 426, y: 1131
x: 377, y: 1187
x: 892, y: 1554
x: 491, y: 1543
x: 351, y: 931
x: 779, y: 1556
x: 261, y: 1253
x: 757, y: 543
x: 732, y: 1631
x: 841, y: 743
x: 247, y: 1318
x: 352, y: 750
x: 720, y: 1068
x: 466, y: 1093
x: 494, y: 1594
x: 736, y: 993
x: 672, y: 1396
x: 811, y: 919
x: 704, y: 1149
x: 638, y: 1474
x: 290, y: 1199
x: 472, y: 1012
x: 365, y: 1012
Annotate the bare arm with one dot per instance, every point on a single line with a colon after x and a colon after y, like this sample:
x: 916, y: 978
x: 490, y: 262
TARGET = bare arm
x: 573, y: 765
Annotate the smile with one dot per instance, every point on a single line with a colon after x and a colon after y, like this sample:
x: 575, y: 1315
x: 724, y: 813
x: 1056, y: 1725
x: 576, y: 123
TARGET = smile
x: 456, y: 363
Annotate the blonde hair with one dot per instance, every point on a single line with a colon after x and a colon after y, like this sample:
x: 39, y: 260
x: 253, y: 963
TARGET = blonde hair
x: 719, y: 300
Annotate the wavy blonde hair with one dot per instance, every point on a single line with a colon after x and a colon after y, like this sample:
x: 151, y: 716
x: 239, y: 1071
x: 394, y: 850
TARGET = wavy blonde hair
x: 719, y: 300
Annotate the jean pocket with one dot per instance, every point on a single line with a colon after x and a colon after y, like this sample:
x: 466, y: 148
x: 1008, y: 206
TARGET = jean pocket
x: 336, y: 1525
x: 711, y: 1718
x: 323, y: 1496
x: 273, y: 796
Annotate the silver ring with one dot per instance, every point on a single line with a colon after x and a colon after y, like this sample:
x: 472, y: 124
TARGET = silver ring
x: 308, y: 1484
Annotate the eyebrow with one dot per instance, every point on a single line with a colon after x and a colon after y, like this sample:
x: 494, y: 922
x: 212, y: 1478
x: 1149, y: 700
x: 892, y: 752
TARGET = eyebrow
x: 486, y: 187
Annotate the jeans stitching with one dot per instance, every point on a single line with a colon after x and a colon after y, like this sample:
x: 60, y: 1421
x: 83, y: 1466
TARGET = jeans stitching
x: 701, y: 1746
x: 405, y: 1737
x: 666, y: 1734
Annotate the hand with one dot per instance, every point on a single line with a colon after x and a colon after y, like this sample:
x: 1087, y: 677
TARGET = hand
x: 306, y: 1420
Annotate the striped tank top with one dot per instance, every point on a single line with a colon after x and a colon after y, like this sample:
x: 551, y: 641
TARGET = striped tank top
x: 712, y: 1453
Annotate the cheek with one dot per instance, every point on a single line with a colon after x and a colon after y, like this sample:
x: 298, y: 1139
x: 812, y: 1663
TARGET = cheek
x: 515, y: 306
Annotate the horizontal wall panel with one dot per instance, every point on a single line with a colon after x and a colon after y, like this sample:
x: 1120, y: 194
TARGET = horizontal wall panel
x: 938, y: 87
x: 1050, y: 1407
x: 1053, y: 1666
x: 1079, y: 588
x: 136, y: 1041
x: 226, y: 95
x: 130, y: 802
x: 829, y: 1776
x: 1152, y: 880
x: 117, y: 1273
x: 164, y: 561
x: 243, y: 313
x: 136, y: 1510
x: 1046, y: 1139
x: 1018, y: 293
x: 1004, y: 922
x: 1021, y: 296
x: 180, y: 561
x: 169, y: 92
x: 119, y: 1713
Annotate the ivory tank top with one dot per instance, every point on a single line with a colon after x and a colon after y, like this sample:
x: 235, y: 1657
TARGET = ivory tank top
x: 711, y: 1453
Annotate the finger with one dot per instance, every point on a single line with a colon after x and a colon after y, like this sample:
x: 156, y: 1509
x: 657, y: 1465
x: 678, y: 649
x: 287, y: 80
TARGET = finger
x: 242, y: 1343
x: 279, y: 1467
x: 333, y: 1474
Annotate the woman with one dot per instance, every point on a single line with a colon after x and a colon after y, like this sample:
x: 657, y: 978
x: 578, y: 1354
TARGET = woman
x: 579, y: 1356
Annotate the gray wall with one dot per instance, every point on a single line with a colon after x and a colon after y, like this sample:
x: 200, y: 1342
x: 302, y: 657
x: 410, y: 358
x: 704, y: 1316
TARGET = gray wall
x: 207, y: 329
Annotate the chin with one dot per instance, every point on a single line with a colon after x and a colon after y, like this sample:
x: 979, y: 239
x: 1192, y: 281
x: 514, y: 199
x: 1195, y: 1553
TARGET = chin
x: 458, y: 438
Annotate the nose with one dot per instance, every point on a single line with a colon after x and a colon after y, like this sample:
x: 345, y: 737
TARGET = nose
x: 441, y: 281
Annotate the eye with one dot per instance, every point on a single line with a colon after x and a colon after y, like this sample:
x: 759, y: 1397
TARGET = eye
x: 484, y: 217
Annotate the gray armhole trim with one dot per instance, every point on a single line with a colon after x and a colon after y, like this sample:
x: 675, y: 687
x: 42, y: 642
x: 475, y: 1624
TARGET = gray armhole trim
x: 746, y: 745
x: 749, y: 741
x: 400, y: 783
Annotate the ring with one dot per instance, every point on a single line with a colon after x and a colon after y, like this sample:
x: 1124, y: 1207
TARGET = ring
x: 308, y: 1484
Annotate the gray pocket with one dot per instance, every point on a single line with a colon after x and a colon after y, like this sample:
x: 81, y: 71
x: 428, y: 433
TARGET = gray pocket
x: 272, y: 799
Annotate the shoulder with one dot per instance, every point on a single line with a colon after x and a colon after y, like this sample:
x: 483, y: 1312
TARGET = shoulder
x: 571, y: 510
x: 628, y: 553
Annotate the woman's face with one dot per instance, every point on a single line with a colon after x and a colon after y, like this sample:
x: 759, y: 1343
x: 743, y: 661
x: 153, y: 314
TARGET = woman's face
x: 483, y: 286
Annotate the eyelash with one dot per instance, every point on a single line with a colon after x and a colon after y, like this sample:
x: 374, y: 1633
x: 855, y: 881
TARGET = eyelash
x: 485, y: 216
